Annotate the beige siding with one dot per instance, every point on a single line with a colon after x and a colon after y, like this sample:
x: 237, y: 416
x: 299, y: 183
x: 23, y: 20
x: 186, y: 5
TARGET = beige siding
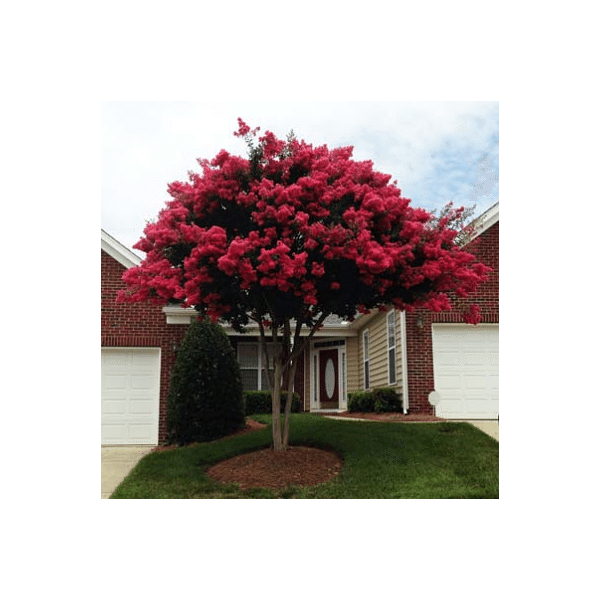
x: 352, y: 370
x: 378, y: 353
x: 307, y: 389
x: 378, y: 357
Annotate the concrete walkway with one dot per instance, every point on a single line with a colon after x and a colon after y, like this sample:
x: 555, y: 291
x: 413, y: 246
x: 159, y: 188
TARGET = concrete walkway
x: 492, y: 428
x: 116, y: 463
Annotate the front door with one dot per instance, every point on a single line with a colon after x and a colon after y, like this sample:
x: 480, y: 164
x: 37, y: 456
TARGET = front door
x: 329, y: 388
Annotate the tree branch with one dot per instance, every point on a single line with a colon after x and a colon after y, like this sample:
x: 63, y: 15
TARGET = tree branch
x: 263, y: 347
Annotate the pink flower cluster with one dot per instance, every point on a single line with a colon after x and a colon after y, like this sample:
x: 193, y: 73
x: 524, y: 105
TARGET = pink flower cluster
x: 313, y: 231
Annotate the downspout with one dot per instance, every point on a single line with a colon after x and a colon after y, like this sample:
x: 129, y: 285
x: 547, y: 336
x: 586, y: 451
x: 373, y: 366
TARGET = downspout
x: 404, y: 361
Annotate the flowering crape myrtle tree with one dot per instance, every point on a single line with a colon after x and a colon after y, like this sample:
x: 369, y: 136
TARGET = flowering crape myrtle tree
x: 291, y: 235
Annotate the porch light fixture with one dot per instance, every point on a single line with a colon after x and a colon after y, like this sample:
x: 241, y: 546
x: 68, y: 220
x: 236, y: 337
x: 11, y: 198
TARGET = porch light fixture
x: 175, y: 347
x: 420, y: 322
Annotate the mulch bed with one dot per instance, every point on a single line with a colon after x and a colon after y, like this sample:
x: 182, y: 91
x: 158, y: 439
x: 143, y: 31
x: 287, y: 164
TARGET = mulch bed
x: 299, y: 465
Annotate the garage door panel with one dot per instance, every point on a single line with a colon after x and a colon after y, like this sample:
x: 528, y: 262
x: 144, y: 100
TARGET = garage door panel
x: 114, y: 382
x: 114, y: 407
x: 453, y: 406
x: 481, y: 406
x: 141, y: 406
x: 494, y: 381
x: 138, y: 432
x: 113, y: 429
x: 116, y: 359
x: 449, y: 383
x: 473, y: 383
x: 144, y: 359
x: 142, y: 382
x: 130, y: 395
x: 478, y: 359
x: 469, y: 382
x: 449, y: 359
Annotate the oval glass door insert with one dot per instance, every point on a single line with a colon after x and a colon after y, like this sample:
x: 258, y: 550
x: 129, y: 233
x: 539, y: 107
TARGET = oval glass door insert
x: 329, y: 378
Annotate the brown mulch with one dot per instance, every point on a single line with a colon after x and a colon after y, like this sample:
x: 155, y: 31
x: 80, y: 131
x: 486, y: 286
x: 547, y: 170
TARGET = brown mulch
x: 396, y: 417
x: 299, y: 465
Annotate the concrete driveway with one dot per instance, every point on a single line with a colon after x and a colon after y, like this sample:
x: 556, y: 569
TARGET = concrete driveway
x: 492, y: 428
x: 117, y: 462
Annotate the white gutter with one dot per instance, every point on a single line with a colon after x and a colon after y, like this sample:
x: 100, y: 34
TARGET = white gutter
x: 176, y: 315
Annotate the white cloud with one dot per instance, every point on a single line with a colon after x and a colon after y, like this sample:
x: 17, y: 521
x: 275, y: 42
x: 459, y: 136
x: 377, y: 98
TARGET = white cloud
x: 436, y: 150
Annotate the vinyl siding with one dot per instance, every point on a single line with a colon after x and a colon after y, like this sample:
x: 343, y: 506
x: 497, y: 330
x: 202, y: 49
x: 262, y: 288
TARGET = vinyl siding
x: 307, y: 371
x: 352, y: 365
x: 378, y: 354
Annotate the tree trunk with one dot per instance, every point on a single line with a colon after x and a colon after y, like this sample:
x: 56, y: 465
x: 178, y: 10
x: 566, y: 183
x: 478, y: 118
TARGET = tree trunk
x: 274, y: 386
x: 286, y: 363
x: 288, y: 403
x: 276, y: 404
x: 296, y: 354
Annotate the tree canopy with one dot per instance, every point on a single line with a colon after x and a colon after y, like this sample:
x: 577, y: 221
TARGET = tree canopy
x: 290, y: 235
x: 297, y: 232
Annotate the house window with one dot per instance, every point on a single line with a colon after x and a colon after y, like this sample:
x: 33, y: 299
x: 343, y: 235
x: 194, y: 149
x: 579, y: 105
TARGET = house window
x: 253, y: 367
x: 249, y: 365
x: 366, y: 357
x: 391, y: 336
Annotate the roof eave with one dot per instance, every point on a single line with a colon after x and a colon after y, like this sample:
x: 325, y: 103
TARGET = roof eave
x: 119, y: 252
x: 484, y: 221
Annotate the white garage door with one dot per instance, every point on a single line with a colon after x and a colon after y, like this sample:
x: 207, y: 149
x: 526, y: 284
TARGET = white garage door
x: 130, y: 395
x: 466, y: 370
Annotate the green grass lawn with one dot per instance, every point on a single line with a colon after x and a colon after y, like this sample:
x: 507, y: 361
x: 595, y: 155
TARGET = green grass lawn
x: 381, y: 460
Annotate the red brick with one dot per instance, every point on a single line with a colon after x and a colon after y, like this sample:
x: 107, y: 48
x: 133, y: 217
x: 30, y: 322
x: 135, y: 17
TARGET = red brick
x: 419, y: 348
x: 139, y: 325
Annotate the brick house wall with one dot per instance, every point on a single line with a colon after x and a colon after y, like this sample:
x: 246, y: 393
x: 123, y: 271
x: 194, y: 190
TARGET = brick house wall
x: 144, y: 325
x: 419, y: 343
x: 139, y: 325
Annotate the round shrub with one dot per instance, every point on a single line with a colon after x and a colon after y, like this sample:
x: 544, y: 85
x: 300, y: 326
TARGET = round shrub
x: 206, y: 398
x: 379, y: 400
x: 360, y: 402
x: 260, y: 402
x: 386, y: 400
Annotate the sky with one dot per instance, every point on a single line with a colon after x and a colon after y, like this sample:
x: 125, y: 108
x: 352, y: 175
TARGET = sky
x: 437, y: 151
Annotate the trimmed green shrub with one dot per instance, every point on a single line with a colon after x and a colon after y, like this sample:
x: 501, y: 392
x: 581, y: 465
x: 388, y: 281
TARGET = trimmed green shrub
x: 360, y: 402
x: 379, y: 400
x: 206, y: 398
x: 260, y: 402
x: 386, y: 400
